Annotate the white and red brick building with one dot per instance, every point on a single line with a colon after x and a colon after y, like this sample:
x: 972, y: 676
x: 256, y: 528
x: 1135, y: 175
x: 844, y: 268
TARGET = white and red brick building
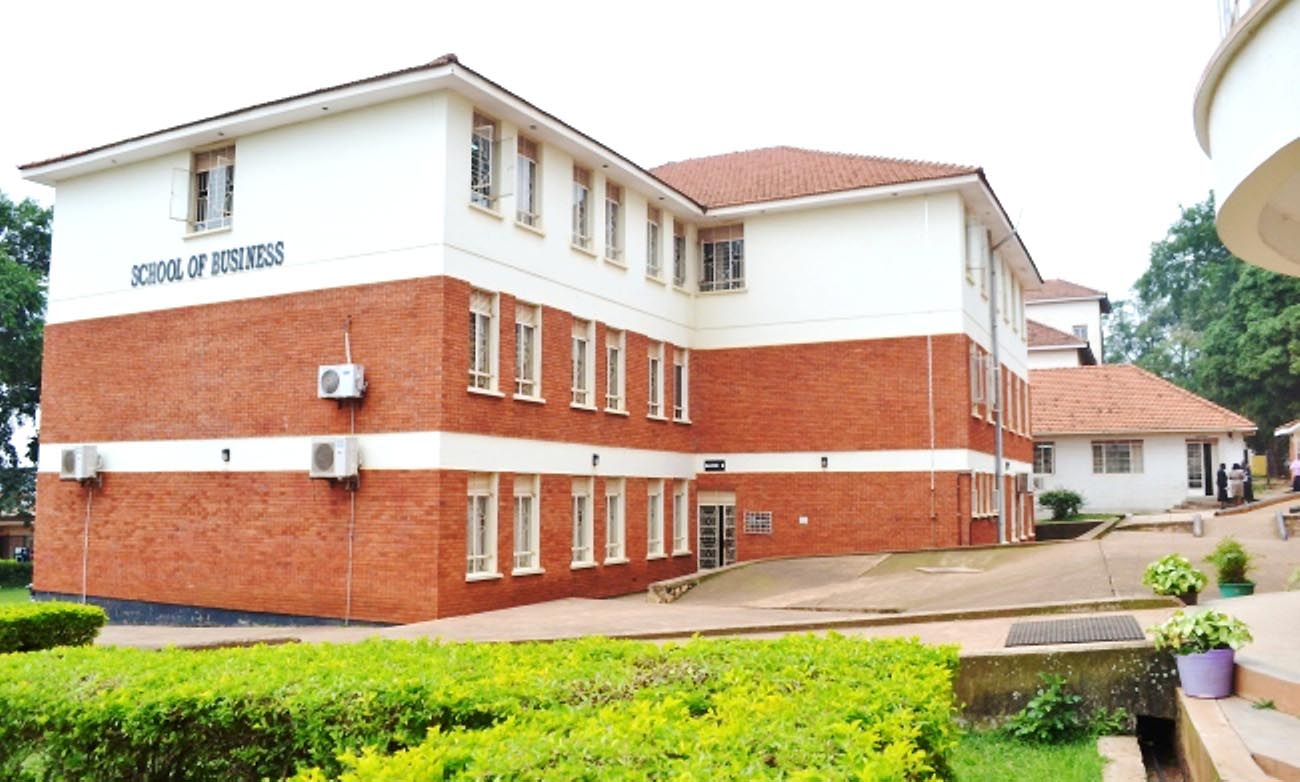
x: 583, y: 376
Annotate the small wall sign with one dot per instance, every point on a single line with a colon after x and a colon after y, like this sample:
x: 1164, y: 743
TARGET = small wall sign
x: 715, y: 465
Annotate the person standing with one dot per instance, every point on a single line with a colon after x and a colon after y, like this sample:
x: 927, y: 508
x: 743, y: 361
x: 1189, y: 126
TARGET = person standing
x: 1247, y: 484
x: 1221, y: 481
x: 1295, y: 473
x: 1235, y: 480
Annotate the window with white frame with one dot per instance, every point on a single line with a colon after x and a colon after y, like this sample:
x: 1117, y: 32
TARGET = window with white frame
x: 613, y: 222
x: 978, y: 380
x: 528, y: 350
x: 213, y: 187
x: 653, y: 254
x: 583, y: 548
x: 583, y: 363
x: 482, y: 340
x: 681, y: 386
x: 1044, y: 458
x: 482, y: 162
x: 1004, y: 272
x: 654, y: 519
x: 722, y: 258
x: 983, y: 500
x: 481, y: 526
x: 528, y: 207
x: 615, y: 353
x: 615, y: 537
x: 1080, y: 331
x: 681, y: 541
x: 976, y: 246
x: 1116, y: 456
x: 581, y: 208
x: 528, y: 554
x: 679, y: 254
x: 655, y: 356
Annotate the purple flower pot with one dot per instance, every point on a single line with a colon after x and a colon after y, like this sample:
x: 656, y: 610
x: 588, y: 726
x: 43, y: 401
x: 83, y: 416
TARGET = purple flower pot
x: 1206, y: 675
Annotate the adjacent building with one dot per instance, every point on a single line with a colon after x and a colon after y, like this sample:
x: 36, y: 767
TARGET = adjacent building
x: 411, y: 347
x: 1066, y: 324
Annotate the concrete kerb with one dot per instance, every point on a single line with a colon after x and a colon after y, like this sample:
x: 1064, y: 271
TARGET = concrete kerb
x: 1102, y: 529
x: 1253, y: 506
x: 1123, y: 759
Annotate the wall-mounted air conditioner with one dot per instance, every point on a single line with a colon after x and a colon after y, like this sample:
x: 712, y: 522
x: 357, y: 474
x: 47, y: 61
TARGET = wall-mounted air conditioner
x: 334, y: 457
x: 1038, y: 483
x: 1022, y: 482
x: 341, y: 381
x: 79, y: 463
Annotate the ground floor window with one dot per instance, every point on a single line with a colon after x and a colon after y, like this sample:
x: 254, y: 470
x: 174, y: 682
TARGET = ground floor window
x: 480, y: 526
x: 1044, y: 458
x: 681, y: 544
x: 654, y: 516
x: 527, y: 546
x: 1116, y: 456
x: 615, y: 539
x: 583, y: 553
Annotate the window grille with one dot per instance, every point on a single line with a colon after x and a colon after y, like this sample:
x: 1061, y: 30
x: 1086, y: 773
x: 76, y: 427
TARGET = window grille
x: 1117, y: 456
x: 679, y: 518
x: 656, y: 373
x: 655, y: 519
x: 653, y: 266
x: 527, y: 360
x: 614, y: 541
x: 480, y: 536
x: 679, y: 254
x: 480, y: 339
x: 581, y: 362
x: 758, y: 522
x: 582, y: 207
x: 614, y: 370
x: 527, y: 555
x: 680, y: 407
x: 526, y: 201
x: 1044, y: 458
x: 613, y: 222
x: 481, y: 153
x: 722, y: 258
x: 214, y: 188
x: 582, y: 530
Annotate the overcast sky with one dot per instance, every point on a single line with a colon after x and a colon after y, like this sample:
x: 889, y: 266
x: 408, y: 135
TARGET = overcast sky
x: 1079, y: 112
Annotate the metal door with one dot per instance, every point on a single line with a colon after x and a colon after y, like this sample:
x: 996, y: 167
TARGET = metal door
x: 717, y: 545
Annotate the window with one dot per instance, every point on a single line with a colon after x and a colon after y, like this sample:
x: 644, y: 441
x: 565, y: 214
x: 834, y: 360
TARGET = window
x: 527, y: 199
x: 656, y: 374
x: 983, y: 502
x: 528, y: 350
x: 583, y: 550
x: 481, y: 526
x: 680, y: 522
x: 1044, y: 458
x: 614, y: 364
x: 482, y: 162
x: 527, y: 543
x: 1195, y: 465
x: 681, y: 407
x: 976, y: 243
x: 1080, y: 331
x: 482, y: 340
x: 1004, y: 274
x: 722, y: 254
x: 214, y: 189
x: 581, y: 208
x: 583, y: 365
x: 654, y: 519
x: 1117, y: 456
x: 979, y: 381
x: 653, y: 261
x: 679, y: 254
x: 613, y: 222
x: 758, y: 522
x: 615, y: 548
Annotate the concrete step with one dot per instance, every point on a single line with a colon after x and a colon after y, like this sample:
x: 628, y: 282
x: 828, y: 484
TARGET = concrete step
x: 1209, y: 746
x: 1272, y: 737
x: 1257, y: 679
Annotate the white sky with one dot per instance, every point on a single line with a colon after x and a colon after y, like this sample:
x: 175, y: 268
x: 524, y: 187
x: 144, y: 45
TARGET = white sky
x: 1079, y: 112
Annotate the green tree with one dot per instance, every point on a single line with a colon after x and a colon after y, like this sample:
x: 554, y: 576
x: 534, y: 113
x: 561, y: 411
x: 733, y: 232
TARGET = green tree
x: 24, y: 266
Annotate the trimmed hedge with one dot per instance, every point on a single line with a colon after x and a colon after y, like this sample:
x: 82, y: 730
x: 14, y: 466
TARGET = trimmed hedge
x: 30, y: 627
x: 14, y: 573
x: 590, y: 709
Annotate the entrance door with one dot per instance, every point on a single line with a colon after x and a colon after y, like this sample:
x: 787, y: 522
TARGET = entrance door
x: 717, y: 536
x: 1200, y: 469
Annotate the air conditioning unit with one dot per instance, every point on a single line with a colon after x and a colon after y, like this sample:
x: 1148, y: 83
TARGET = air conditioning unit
x: 1038, y: 483
x: 341, y: 381
x: 334, y: 457
x: 79, y: 463
x: 1022, y: 482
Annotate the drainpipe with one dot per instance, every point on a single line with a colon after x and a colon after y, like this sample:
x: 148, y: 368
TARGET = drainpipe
x: 997, y: 389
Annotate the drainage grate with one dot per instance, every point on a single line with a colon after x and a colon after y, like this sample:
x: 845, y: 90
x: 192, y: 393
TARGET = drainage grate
x: 1075, y: 631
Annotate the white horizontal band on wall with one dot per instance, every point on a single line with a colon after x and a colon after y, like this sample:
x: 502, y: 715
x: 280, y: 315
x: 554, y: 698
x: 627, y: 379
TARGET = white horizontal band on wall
x: 485, y: 453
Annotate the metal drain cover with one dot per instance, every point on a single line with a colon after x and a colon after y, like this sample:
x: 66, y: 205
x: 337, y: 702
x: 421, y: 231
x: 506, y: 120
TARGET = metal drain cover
x: 1075, y: 631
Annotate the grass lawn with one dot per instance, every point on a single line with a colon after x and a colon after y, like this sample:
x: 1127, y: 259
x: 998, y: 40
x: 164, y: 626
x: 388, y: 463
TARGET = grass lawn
x: 988, y: 757
x: 13, y: 595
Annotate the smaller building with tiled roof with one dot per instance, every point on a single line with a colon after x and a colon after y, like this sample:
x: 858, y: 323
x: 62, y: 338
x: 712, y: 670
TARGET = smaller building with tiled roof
x: 1127, y: 439
x: 1052, y: 348
x: 1070, y: 308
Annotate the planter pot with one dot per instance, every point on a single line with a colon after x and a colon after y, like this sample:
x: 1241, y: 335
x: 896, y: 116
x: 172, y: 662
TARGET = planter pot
x: 1188, y: 598
x: 1237, y: 590
x: 1206, y: 675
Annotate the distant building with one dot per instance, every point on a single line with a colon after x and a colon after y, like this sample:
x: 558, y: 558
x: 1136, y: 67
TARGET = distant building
x: 1068, y: 308
x: 1051, y: 348
x: 15, y: 533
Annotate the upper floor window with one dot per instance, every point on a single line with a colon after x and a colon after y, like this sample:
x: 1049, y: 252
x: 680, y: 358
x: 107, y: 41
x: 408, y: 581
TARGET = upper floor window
x: 581, y: 207
x: 613, y: 222
x: 614, y: 365
x: 722, y: 258
x: 527, y: 199
x: 655, y: 355
x: 679, y: 254
x: 653, y: 263
x: 583, y: 365
x: 681, y: 408
x: 214, y: 189
x: 1080, y: 331
x: 482, y: 340
x: 528, y: 350
x: 482, y: 162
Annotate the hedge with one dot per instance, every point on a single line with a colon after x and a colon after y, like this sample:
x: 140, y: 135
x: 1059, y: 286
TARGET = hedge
x: 29, y: 627
x: 14, y: 573
x: 801, y: 707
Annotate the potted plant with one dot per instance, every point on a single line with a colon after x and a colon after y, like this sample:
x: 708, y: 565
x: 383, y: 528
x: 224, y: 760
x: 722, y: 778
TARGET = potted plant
x: 1173, y: 574
x: 1232, y: 562
x: 1204, y: 646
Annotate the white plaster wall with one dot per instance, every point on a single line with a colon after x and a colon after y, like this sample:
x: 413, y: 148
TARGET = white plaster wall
x: 1013, y: 345
x: 1065, y: 315
x: 349, y: 208
x: 1162, y: 484
x: 1053, y: 359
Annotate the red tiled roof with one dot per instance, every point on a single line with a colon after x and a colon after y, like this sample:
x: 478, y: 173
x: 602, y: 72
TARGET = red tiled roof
x: 1062, y: 289
x: 1121, y: 398
x: 1044, y: 336
x: 789, y: 172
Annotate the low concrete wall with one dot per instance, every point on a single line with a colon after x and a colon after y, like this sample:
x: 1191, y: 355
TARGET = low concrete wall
x: 1064, y: 530
x: 995, y: 685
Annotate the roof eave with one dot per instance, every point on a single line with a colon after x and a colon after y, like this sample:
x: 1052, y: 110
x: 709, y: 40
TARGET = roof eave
x: 1119, y: 432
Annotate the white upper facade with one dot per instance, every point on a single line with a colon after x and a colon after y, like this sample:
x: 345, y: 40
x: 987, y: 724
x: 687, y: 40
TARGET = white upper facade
x: 429, y: 172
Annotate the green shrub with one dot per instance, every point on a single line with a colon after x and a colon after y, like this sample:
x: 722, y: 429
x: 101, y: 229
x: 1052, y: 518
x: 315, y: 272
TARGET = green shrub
x: 15, y: 574
x: 1200, y: 632
x: 29, y: 627
x: 1232, y: 561
x: 1173, y: 574
x: 1063, y: 502
x: 588, y: 709
x: 1055, y: 715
